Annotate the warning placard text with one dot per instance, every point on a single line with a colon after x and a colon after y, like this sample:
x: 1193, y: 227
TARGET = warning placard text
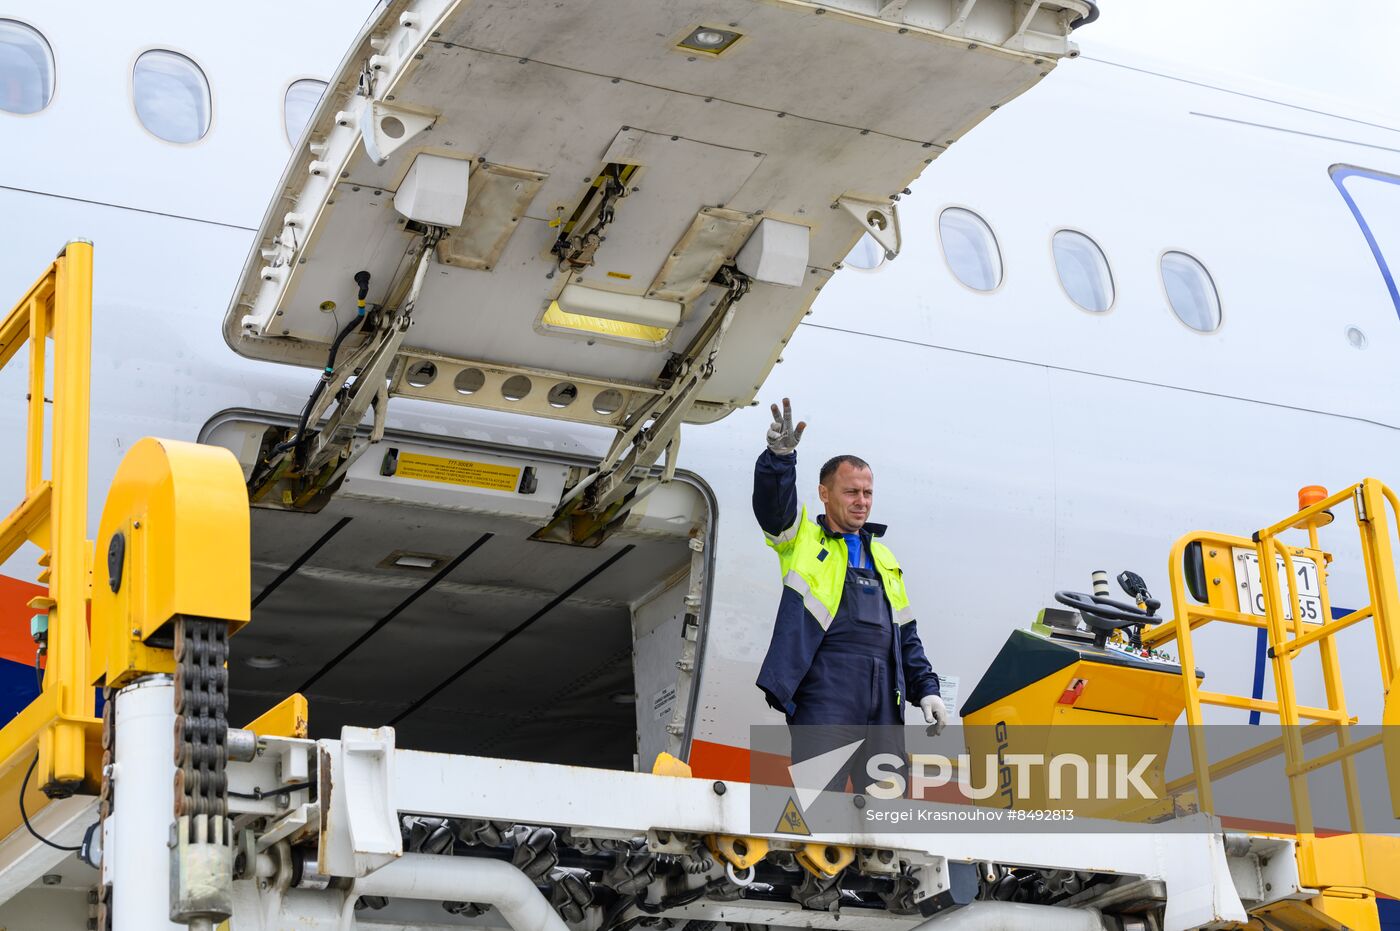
x: 458, y: 472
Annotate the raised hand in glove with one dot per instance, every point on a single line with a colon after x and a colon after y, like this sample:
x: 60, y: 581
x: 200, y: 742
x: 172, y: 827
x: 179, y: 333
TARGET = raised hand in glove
x: 782, y: 437
x: 935, y: 713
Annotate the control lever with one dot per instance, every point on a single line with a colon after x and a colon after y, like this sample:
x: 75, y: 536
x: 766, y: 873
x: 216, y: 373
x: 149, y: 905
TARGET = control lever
x: 1136, y: 589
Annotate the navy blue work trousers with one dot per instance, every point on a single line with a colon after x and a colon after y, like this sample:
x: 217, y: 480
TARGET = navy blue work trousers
x: 848, y: 697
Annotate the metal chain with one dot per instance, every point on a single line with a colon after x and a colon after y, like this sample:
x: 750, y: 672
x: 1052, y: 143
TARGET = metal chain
x: 103, y: 893
x: 201, y: 723
x: 201, y: 736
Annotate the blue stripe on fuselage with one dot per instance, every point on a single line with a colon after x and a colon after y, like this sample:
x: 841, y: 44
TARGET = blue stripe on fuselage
x: 19, y: 686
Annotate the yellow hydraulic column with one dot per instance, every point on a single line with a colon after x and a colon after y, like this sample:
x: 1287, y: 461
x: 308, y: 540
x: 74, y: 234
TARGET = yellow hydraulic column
x: 68, y: 582
x: 174, y: 568
x: 58, y: 725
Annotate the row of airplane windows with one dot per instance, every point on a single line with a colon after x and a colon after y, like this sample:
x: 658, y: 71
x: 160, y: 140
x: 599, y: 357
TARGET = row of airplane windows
x: 171, y: 97
x: 169, y: 92
x: 971, y: 250
x: 172, y: 100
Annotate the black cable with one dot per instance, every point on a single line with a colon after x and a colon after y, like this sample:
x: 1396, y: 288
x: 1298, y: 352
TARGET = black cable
x: 614, y: 911
x: 24, y: 787
x: 668, y: 902
x: 258, y: 795
x: 321, y: 383
x: 362, y: 281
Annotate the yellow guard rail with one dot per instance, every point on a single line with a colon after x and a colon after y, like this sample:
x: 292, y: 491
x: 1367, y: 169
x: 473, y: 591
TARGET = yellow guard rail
x: 187, y: 567
x: 53, y: 516
x: 1288, y: 634
x: 1351, y: 864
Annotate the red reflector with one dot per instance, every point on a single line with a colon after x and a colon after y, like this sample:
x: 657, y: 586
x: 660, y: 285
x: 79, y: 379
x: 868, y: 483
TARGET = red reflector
x: 1072, y: 692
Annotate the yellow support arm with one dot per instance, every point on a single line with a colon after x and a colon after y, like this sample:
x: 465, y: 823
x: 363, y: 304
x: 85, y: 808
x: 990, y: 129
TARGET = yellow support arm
x: 288, y: 718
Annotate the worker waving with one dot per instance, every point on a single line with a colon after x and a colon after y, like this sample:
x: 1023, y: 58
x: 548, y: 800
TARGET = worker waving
x: 845, y: 653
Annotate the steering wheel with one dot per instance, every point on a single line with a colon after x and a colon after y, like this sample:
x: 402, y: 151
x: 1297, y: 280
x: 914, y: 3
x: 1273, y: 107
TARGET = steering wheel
x: 1103, y: 614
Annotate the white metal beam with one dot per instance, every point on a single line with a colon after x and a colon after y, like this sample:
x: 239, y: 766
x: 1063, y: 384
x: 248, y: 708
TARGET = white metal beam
x: 1191, y: 860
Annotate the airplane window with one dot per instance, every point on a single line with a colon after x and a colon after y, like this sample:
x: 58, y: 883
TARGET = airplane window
x: 867, y: 254
x: 970, y: 248
x: 1083, y: 271
x: 171, y: 96
x: 1191, y: 292
x: 26, y: 68
x: 298, y: 105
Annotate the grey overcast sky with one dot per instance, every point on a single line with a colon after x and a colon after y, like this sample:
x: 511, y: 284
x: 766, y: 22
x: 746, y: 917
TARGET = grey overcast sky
x: 1344, y: 49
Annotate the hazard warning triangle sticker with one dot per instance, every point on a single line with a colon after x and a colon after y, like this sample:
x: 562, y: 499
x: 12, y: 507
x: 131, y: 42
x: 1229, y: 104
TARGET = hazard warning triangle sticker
x: 791, y: 820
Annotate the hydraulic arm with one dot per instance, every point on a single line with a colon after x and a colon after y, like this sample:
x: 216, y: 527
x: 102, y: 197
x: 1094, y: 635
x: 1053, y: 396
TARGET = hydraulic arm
x: 299, y: 470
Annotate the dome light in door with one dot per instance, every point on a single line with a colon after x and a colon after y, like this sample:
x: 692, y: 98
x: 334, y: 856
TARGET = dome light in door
x: 265, y: 661
x: 709, y: 40
x: 420, y: 562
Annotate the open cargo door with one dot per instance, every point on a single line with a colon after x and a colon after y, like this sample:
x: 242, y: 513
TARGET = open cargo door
x: 613, y: 212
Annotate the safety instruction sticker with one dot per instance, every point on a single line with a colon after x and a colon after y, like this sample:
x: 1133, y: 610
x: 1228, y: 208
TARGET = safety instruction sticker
x: 948, y: 690
x: 458, y: 472
x: 663, y: 702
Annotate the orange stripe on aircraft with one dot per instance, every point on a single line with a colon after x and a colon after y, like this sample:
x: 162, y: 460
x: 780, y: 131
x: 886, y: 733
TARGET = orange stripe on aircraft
x: 739, y: 764
x: 15, y: 642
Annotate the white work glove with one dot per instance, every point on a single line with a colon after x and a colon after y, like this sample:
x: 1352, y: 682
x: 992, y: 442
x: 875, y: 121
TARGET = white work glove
x: 782, y: 437
x: 935, y: 713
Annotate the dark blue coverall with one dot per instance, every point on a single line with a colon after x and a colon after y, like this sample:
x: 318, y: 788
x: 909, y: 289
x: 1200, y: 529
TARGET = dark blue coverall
x: 863, y: 666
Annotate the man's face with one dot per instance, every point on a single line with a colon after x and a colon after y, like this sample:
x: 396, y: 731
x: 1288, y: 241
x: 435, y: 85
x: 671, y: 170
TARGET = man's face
x: 846, y: 496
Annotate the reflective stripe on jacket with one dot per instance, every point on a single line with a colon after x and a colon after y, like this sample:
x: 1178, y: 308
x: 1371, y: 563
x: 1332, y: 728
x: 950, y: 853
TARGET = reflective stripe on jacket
x: 813, y: 562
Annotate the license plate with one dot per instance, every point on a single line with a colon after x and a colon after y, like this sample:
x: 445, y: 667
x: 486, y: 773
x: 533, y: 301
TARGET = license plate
x: 1305, y: 575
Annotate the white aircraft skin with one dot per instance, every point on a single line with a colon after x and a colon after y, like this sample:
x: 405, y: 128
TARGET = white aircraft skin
x: 1018, y: 442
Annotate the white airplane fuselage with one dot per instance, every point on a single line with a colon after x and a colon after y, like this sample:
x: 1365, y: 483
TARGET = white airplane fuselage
x: 1018, y: 442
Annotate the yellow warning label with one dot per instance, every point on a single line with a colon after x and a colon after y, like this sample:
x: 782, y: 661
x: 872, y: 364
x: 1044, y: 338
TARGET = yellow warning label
x: 623, y: 275
x: 791, y: 820
x: 458, y: 472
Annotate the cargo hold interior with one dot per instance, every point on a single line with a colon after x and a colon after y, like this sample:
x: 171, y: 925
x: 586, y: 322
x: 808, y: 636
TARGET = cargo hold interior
x: 442, y: 617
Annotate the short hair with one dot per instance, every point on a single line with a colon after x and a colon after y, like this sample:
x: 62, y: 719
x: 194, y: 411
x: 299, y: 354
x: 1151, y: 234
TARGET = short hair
x: 835, y: 462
